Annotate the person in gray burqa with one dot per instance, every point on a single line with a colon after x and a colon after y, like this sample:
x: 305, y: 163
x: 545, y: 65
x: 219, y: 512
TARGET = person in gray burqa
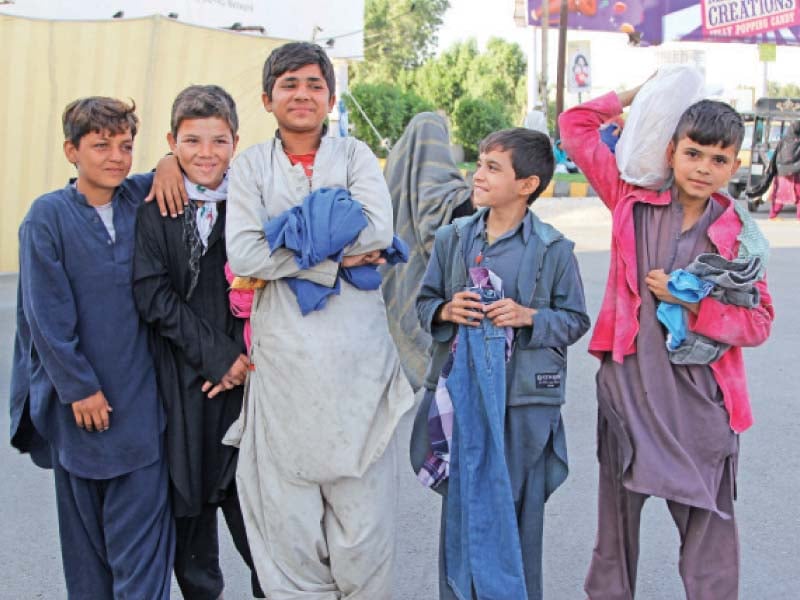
x: 428, y: 191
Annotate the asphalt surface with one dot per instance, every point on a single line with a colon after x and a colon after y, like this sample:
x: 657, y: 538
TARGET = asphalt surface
x: 768, y: 483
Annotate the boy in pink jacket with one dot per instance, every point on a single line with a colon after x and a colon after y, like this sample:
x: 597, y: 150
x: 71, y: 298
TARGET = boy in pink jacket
x: 664, y: 429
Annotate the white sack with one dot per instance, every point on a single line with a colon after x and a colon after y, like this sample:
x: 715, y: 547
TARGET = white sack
x: 654, y: 114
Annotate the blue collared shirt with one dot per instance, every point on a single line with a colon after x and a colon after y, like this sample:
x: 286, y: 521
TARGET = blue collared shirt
x: 85, y: 331
x: 504, y: 256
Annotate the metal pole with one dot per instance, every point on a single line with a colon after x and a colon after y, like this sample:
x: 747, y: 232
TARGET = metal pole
x: 543, y: 78
x: 562, y: 59
x: 533, y: 79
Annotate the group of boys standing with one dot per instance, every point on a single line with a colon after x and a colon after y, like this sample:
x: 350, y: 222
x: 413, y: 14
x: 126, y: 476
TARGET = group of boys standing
x: 130, y: 368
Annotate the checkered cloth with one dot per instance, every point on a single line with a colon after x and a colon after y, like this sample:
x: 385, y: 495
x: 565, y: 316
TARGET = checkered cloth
x: 436, y: 467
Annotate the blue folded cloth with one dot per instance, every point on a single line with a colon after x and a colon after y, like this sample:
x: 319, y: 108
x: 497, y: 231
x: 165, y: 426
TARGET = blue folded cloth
x: 320, y: 228
x: 609, y: 135
x: 689, y: 288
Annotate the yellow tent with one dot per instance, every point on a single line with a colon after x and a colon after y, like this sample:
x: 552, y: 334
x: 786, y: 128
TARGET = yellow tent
x: 46, y: 64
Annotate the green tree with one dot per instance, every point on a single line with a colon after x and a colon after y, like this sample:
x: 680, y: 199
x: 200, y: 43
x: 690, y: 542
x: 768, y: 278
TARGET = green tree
x: 499, y: 75
x: 777, y: 90
x: 389, y: 107
x: 442, y: 80
x: 474, y: 119
x: 398, y: 36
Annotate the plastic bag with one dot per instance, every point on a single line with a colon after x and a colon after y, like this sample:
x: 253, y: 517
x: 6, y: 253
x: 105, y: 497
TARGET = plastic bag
x: 642, y: 148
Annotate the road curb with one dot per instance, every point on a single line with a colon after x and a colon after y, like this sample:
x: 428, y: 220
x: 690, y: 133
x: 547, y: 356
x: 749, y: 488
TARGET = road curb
x: 556, y: 188
x: 568, y: 189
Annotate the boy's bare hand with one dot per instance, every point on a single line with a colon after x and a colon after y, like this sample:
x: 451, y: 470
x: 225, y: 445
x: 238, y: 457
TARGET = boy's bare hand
x: 656, y: 281
x: 234, y: 377
x: 92, y: 413
x: 626, y: 97
x: 464, y: 309
x: 168, y: 189
x: 358, y: 260
x: 507, y: 313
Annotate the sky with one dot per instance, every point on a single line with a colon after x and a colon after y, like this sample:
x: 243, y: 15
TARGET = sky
x: 727, y: 66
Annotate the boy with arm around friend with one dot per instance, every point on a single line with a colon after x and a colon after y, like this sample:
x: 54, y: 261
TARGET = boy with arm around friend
x: 180, y: 289
x: 82, y: 351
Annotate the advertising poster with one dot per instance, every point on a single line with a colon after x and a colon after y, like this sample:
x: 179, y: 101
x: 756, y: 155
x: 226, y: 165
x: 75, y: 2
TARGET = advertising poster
x: 737, y: 18
x: 579, y: 67
x: 652, y: 22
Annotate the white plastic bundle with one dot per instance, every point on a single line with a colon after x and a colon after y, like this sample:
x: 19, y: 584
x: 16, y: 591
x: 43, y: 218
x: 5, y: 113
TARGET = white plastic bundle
x: 642, y: 148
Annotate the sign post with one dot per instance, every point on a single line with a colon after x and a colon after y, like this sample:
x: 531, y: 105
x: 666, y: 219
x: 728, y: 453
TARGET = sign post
x: 766, y: 54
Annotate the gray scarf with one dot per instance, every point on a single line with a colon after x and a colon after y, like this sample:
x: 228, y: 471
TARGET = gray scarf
x: 198, y: 221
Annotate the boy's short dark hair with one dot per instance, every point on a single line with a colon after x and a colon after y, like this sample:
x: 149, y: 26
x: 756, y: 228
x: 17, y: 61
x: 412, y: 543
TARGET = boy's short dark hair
x: 293, y: 56
x: 710, y: 122
x: 98, y: 114
x: 531, y: 154
x: 202, y: 102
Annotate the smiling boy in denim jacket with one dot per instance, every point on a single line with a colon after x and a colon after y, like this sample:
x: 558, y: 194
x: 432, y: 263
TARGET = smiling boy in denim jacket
x: 508, y: 376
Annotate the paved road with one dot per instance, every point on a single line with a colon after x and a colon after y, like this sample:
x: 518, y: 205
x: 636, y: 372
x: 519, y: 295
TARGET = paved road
x: 768, y: 484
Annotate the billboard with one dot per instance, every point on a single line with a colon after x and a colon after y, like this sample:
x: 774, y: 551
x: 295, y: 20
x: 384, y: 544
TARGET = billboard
x: 656, y: 21
x: 337, y: 24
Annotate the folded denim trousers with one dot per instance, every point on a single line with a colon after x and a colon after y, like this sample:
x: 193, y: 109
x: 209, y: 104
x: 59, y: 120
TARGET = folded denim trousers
x: 482, y: 547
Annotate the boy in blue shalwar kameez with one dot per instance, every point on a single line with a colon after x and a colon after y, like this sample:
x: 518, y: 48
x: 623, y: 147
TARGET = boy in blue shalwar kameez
x: 505, y: 375
x: 83, y: 381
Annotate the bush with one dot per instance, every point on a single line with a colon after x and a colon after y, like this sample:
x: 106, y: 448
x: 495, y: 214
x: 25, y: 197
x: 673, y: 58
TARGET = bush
x: 388, y: 107
x: 474, y: 119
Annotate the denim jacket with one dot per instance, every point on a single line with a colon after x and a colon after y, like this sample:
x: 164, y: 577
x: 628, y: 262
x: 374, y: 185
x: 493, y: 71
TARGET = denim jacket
x: 548, y: 280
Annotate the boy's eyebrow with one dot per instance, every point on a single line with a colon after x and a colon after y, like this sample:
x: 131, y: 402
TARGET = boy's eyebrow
x: 296, y: 78
x: 106, y: 136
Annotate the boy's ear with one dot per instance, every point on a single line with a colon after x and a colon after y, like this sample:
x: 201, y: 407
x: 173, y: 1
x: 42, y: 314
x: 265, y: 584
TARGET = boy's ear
x: 670, y: 152
x: 332, y: 103
x: 235, y: 141
x: 735, y: 166
x: 173, y: 143
x: 71, y: 152
x: 529, y: 185
x: 266, y: 101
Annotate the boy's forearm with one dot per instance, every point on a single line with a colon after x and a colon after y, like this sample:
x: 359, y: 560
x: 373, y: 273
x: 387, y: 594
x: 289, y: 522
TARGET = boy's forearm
x: 248, y: 251
x: 209, y: 350
x: 566, y: 320
x: 431, y: 298
x: 554, y: 328
x: 734, y: 325
x: 580, y: 137
x: 368, y: 186
x: 49, y: 309
x: 249, y: 255
x: 429, y: 313
x: 626, y: 96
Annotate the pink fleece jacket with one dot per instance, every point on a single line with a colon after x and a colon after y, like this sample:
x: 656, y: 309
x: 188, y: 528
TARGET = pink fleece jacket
x: 617, y: 324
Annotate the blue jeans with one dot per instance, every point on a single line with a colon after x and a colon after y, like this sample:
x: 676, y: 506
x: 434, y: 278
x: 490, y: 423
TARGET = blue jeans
x: 482, y: 547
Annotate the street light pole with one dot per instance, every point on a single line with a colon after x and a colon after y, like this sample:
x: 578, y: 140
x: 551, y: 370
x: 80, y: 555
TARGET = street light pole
x: 562, y: 59
x: 543, y: 78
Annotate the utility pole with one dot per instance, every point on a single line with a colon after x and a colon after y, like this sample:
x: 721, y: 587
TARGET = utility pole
x: 562, y: 59
x: 543, y: 78
x: 533, y: 75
